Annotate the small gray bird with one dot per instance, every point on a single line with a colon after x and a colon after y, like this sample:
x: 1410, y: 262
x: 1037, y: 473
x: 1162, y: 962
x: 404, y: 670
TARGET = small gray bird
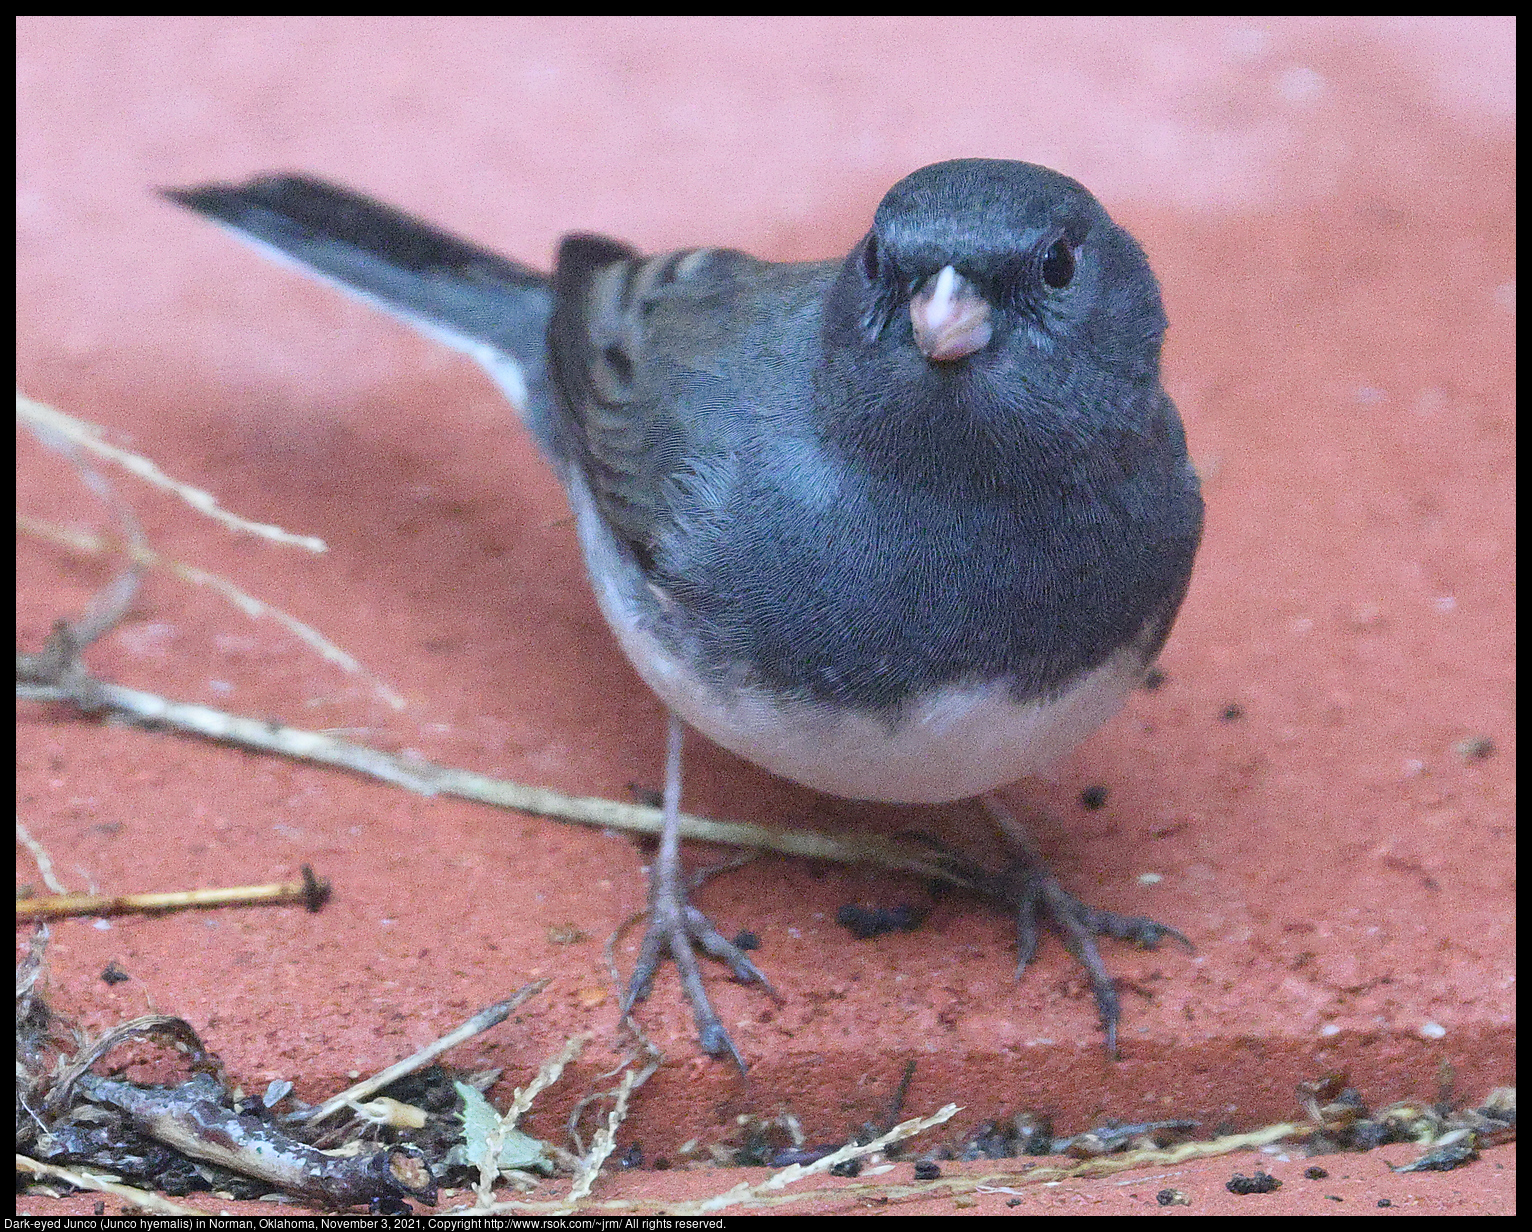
x: 902, y: 527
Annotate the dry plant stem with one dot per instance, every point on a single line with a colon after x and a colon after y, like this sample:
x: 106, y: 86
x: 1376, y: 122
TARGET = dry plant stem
x: 110, y: 603
x: 1108, y: 1165
x: 489, y: 1169
x: 39, y: 854
x: 479, y: 1023
x: 69, y: 436
x: 429, y: 779
x: 98, y: 1184
x: 51, y: 425
x: 1013, y: 1182
x: 192, y: 1118
x: 745, y: 1192
x: 59, y: 660
x: 252, y: 607
x: 605, y: 1141
x: 548, y: 1073
x: 653, y: 1059
x: 990, y: 1183
x: 311, y: 892
x: 944, y: 1188
x: 180, y: 1032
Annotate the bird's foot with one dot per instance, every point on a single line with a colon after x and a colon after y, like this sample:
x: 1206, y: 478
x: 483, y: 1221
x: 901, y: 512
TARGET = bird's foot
x: 1039, y: 899
x: 676, y: 928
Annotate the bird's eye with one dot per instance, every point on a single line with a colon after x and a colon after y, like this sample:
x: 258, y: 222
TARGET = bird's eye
x: 870, y: 259
x: 1058, y: 267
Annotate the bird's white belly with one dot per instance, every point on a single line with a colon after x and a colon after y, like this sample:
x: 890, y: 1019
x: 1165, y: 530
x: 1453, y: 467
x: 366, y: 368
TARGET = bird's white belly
x: 948, y: 744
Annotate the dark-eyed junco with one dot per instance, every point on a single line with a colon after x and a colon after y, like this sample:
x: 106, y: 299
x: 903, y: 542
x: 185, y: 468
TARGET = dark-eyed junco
x: 902, y: 527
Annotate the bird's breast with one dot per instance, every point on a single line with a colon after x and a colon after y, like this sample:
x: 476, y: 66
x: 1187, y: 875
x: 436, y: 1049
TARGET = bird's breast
x: 943, y: 744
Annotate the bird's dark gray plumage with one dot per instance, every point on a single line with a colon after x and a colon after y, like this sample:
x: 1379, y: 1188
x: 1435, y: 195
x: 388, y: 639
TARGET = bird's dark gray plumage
x: 904, y: 526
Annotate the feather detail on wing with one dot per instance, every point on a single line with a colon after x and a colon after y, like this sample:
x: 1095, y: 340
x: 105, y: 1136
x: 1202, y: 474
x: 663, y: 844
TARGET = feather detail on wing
x: 613, y: 378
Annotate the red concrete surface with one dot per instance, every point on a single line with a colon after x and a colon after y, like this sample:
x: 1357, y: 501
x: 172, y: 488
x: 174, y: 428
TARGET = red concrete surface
x: 1330, y: 207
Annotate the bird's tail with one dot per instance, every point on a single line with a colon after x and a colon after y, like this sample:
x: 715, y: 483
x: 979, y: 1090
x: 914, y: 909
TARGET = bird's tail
x: 494, y: 309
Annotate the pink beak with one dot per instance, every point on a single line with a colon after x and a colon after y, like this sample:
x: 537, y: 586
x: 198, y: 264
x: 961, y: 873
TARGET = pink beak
x: 951, y: 318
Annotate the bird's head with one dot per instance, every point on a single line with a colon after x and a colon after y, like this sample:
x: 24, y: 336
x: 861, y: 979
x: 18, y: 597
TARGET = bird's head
x: 971, y: 261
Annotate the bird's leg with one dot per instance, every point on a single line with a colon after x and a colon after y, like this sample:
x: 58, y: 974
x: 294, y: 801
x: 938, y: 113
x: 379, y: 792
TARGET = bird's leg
x: 1038, y: 896
x: 674, y: 925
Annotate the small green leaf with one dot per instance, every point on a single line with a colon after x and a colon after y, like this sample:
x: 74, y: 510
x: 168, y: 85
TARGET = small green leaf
x: 480, y: 1121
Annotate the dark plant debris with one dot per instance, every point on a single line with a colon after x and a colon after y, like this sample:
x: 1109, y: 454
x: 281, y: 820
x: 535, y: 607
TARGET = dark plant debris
x: 1260, y: 1183
x: 1343, y: 1122
x: 864, y: 923
x: 189, y: 1136
x: 199, y: 1134
x: 1092, y: 798
x: 202, y: 1134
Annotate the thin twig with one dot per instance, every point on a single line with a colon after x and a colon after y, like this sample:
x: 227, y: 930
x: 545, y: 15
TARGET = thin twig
x: 99, y: 1184
x: 1002, y: 1182
x: 429, y: 779
x: 93, y: 544
x: 40, y: 854
x: 480, y: 1022
x: 547, y: 1074
x: 653, y: 1059
x: 46, y: 420
x: 745, y: 1192
x: 605, y: 1141
x: 311, y: 892
x: 109, y: 604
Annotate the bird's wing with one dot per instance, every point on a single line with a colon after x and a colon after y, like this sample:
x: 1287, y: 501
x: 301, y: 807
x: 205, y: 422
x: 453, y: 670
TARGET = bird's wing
x: 659, y: 370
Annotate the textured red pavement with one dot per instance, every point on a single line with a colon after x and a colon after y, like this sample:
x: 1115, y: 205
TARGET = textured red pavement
x: 1330, y: 207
